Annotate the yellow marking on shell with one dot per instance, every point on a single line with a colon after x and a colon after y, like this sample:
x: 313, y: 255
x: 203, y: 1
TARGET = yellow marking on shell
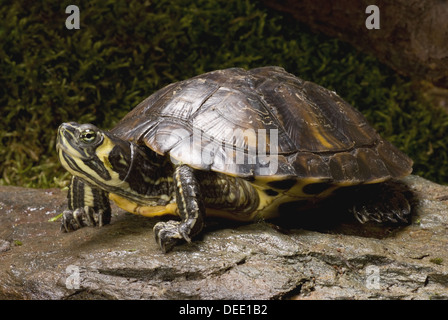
x: 316, y: 133
x: 146, y: 211
x: 297, y: 189
x: 268, y: 205
x: 379, y: 180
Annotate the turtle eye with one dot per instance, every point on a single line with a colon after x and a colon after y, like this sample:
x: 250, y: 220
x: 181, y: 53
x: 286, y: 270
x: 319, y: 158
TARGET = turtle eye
x: 87, y: 136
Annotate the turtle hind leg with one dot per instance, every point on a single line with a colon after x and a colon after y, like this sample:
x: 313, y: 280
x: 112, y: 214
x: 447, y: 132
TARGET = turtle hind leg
x: 387, y: 203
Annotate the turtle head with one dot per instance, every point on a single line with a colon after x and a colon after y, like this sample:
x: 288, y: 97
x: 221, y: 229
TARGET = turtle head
x: 94, y: 155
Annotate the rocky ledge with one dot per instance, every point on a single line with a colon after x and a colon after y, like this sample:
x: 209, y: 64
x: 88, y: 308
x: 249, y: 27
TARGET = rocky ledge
x: 326, y: 257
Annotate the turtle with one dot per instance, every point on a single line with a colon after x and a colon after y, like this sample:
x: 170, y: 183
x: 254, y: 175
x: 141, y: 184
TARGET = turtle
x: 233, y: 143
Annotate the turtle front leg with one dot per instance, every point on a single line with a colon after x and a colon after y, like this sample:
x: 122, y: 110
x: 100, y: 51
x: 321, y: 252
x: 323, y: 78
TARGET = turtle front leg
x: 191, y: 210
x: 87, y: 206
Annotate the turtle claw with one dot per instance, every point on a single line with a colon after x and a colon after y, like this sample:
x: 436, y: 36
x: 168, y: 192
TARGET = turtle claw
x: 69, y: 222
x: 168, y: 234
x: 390, y: 205
x: 82, y: 217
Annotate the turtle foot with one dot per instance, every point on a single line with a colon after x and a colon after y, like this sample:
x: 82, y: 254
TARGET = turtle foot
x: 170, y: 233
x: 82, y: 217
x: 384, y: 203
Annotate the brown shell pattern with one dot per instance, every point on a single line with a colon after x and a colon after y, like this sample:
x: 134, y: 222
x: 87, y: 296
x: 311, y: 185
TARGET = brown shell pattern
x: 223, y: 120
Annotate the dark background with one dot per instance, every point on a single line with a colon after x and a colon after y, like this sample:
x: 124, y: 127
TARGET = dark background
x: 126, y: 50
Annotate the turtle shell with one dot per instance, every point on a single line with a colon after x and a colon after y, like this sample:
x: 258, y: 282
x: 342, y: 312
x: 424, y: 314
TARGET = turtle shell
x: 225, y: 119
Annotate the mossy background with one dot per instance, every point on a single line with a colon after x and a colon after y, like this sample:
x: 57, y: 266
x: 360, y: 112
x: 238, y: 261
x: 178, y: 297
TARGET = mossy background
x: 126, y: 50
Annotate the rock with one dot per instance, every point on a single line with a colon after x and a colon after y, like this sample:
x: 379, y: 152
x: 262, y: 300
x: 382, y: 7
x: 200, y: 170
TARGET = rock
x: 4, y: 245
x: 325, y: 259
x: 412, y: 38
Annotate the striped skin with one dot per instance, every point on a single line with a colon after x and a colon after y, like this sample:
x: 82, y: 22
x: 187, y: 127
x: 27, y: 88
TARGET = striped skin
x: 143, y: 182
x: 116, y: 166
x: 81, y: 195
x: 87, y: 206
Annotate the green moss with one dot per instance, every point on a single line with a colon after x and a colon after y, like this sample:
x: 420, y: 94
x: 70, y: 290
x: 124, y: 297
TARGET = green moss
x: 438, y: 261
x: 126, y: 50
